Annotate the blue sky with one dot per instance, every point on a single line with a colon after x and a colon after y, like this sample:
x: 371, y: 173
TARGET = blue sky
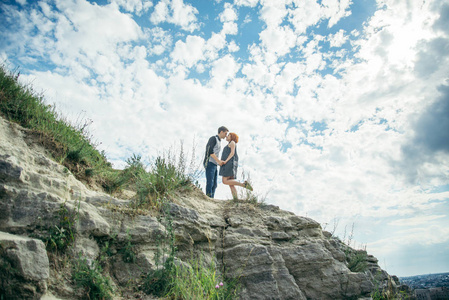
x: 342, y: 107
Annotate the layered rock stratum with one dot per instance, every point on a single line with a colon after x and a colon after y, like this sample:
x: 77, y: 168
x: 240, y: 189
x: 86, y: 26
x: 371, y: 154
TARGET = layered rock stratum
x: 274, y: 254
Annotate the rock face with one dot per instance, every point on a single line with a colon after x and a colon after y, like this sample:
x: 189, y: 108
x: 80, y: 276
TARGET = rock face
x: 287, y: 257
x: 274, y: 253
x: 24, y: 265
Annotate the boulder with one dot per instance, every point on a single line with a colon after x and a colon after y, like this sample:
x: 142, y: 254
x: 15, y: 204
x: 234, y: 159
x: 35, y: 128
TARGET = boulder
x: 128, y: 272
x: 24, y: 267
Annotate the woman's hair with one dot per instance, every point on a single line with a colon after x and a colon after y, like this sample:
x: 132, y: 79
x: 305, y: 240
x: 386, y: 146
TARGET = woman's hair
x: 234, y: 137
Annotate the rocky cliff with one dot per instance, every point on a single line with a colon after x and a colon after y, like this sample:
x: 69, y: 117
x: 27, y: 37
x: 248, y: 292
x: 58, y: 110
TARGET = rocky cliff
x: 274, y: 254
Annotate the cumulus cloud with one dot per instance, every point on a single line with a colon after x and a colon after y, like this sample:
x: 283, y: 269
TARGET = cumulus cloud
x: 273, y: 12
x: 426, y: 155
x: 176, y: 12
x: 190, y: 51
x: 134, y: 6
x: 223, y: 69
x: 338, y: 39
x: 432, y: 57
x: 88, y: 27
x: 442, y: 23
x: 416, y: 220
x: 432, y: 127
x: 213, y: 45
x: 229, y: 17
x: 278, y: 40
x: 305, y: 15
x: 336, y: 10
x: 233, y: 47
x: 160, y: 41
x: 229, y: 14
x: 428, y: 235
x: 250, y: 3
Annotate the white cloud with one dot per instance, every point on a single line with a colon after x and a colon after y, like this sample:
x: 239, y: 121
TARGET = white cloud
x: 230, y: 28
x: 428, y: 235
x: 233, y: 47
x: 258, y: 74
x: 309, y: 12
x: 285, y: 81
x: 160, y: 40
x: 305, y: 14
x: 70, y: 94
x: 93, y: 27
x: 278, y: 40
x: 223, y: 69
x: 134, y: 6
x: 338, y: 39
x: 416, y: 220
x: 336, y: 10
x: 213, y: 45
x: 176, y: 12
x: 247, y: 19
x: 160, y: 13
x: 229, y: 17
x: 273, y: 12
x: 190, y: 52
x: 250, y: 3
x: 229, y: 14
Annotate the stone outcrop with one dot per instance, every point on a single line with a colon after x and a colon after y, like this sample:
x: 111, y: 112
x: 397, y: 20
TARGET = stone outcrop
x: 273, y: 253
x: 24, y: 267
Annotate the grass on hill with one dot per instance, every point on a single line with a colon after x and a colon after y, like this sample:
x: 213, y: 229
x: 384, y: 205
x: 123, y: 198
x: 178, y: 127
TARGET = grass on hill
x: 69, y: 144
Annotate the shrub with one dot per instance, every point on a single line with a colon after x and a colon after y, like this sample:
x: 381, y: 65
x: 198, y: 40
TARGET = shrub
x: 165, y: 175
x: 357, y: 261
x: 62, y: 234
x: 128, y: 252
x: 91, y: 279
x: 159, y: 281
x: 199, y: 281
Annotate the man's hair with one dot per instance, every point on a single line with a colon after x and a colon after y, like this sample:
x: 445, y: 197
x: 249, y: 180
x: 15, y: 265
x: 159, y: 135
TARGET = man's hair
x: 222, y: 128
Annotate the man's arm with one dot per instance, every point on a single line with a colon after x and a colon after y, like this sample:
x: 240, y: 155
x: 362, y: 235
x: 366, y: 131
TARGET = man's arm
x: 210, y: 150
x: 219, y: 161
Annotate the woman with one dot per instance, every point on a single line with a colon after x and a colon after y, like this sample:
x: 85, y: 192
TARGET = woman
x: 231, y: 160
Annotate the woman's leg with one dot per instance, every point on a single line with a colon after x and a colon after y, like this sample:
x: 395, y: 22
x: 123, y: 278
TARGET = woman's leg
x: 231, y: 181
x: 233, y: 192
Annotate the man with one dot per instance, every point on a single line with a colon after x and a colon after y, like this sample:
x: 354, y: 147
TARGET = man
x: 211, y: 160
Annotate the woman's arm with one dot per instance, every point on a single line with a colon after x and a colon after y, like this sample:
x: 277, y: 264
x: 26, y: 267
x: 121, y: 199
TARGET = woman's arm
x: 232, y: 146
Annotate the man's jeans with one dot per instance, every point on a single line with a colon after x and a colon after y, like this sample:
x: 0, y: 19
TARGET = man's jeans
x: 211, y: 179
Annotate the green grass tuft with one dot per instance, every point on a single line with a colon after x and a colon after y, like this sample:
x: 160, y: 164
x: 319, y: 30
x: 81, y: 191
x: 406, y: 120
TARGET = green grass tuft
x: 199, y: 280
x: 90, y: 278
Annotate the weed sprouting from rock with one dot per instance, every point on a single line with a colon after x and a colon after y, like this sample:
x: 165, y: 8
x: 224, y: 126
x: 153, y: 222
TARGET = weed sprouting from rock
x: 128, y: 252
x: 88, y: 276
x: 62, y: 234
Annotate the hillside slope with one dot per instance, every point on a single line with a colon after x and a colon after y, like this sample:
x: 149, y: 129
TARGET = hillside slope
x: 273, y: 254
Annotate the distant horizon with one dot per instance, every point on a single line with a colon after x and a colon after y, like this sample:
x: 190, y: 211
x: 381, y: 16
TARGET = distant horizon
x: 424, y: 274
x: 342, y: 107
